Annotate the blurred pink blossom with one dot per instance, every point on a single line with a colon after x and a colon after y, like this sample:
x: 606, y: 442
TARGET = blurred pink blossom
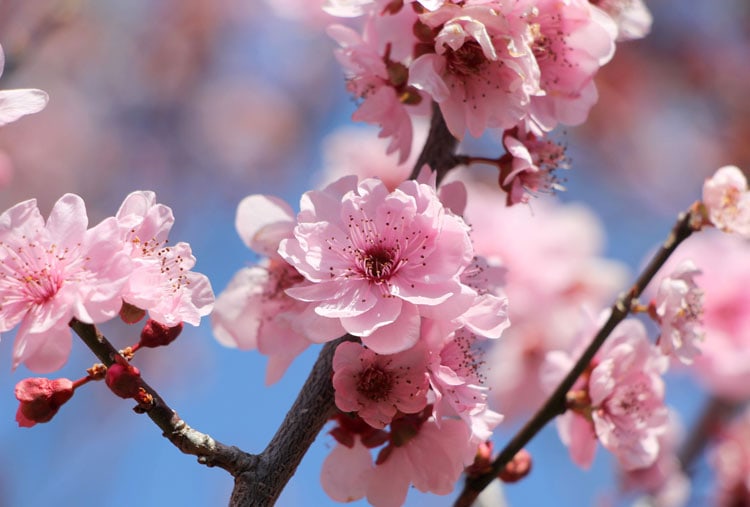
x: 15, y: 104
x: 727, y: 199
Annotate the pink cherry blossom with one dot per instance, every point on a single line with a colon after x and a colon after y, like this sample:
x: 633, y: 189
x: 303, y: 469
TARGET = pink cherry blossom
x: 482, y: 72
x: 679, y: 306
x: 727, y: 199
x: 632, y: 17
x: 254, y: 311
x: 532, y: 162
x: 420, y: 452
x: 17, y: 103
x: 162, y: 281
x: 571, y: 40
x: 458, y: 383
x: 619, y: 401
x: 54, y: 271
x: 377, y: 75
x: 377, y: 386
x: 380, y: 260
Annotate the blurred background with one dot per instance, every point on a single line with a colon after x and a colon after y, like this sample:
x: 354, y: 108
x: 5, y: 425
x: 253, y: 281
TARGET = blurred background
x: 205, y: 102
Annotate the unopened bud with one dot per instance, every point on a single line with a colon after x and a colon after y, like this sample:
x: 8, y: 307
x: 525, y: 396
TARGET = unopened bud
x: 131, y: 314
x: 123, y: 380
x: 518, y: 468
x: 40, y: 399
x: 155, y: 334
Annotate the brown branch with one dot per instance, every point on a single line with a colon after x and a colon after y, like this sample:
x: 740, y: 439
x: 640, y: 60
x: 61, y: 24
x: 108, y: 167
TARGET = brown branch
x: 686, y: 224
x: 188, y: 440
x: 439, y: 149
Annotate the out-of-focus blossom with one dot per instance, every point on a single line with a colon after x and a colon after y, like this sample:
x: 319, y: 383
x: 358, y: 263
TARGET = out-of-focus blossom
x: 377, y: 386
x: 619, y: 401
x: 380, y: 260
x: 53, y: 271
x: 632, y: 17
x: 17, y: 103
x: 731, y: 462
x: 679, y: 307
x: 254, y: 310
x: 724, y: 363
x: 727, y: 198
x: 162, y: 281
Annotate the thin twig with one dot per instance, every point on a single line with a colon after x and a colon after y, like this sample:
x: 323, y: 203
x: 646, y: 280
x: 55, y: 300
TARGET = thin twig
x: 555, y: 404
x: 438, y: 151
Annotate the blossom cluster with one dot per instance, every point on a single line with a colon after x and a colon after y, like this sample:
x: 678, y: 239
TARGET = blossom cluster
x: 395, y: 271
x: 522, y: 67
x: 56, y: 270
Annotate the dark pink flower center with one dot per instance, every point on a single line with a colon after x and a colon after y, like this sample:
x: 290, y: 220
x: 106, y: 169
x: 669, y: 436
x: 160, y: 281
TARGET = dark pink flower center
x: 378, y: 264
x: 375, y: 384
x: 466, y: 60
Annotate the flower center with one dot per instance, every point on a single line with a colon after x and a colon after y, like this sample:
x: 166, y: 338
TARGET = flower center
x: 378, y: 264
x: 375, y: 384
x: 466, y: 60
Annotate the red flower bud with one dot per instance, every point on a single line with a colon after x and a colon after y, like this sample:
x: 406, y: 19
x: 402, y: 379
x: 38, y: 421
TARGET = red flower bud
x: 123, y: 380
x: 518, y: 468
x: 155, y: 334
x: 40, y: 399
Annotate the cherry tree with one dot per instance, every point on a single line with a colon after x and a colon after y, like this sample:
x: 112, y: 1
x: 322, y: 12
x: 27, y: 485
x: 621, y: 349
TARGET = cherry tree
x: 445, y: 290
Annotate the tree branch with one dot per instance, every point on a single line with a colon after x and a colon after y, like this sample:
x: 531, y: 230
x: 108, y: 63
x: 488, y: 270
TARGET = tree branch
x: 439, y: 149
x: 188, y: 440
x: 686, y: 224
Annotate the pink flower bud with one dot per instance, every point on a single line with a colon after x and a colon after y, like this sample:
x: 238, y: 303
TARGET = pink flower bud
x: 40, y: 399
x: 123, y: 380
x: 155, y: 334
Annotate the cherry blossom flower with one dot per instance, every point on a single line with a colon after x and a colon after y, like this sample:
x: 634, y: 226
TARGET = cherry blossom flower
x: 679, y: 306
x: 162, y: 281
x: 54, y: 271
x: 529, y: 170
x: 17, y: 103
x: 619, y: 401
x: 254, y: 311
x: 377, y: 386
x: 632, y: 17
x: 377, y: 75
x: 420, y: 452
x: 482, y: 72
x: 379, y: 260
x: 727, y: 199
x: 571, y: 40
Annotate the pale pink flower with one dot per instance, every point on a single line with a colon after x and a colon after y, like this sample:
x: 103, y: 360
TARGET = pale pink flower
x: 632, y: 17
x: 54, y: 271
x: 571, y: 40
x: 162, y: 281
x: 619, y: 402
x: 379, y: 260
x: 254, y: 311
x: 724, y: 363
x: 679, y: 307
x: 376, y: 386
x: 421, y: 452
x: 17, y: 103
x: 458, y: 383
x: 530, y: 169
x: 376, y: 75
x: 727, y: 199
x: 482, y: 72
